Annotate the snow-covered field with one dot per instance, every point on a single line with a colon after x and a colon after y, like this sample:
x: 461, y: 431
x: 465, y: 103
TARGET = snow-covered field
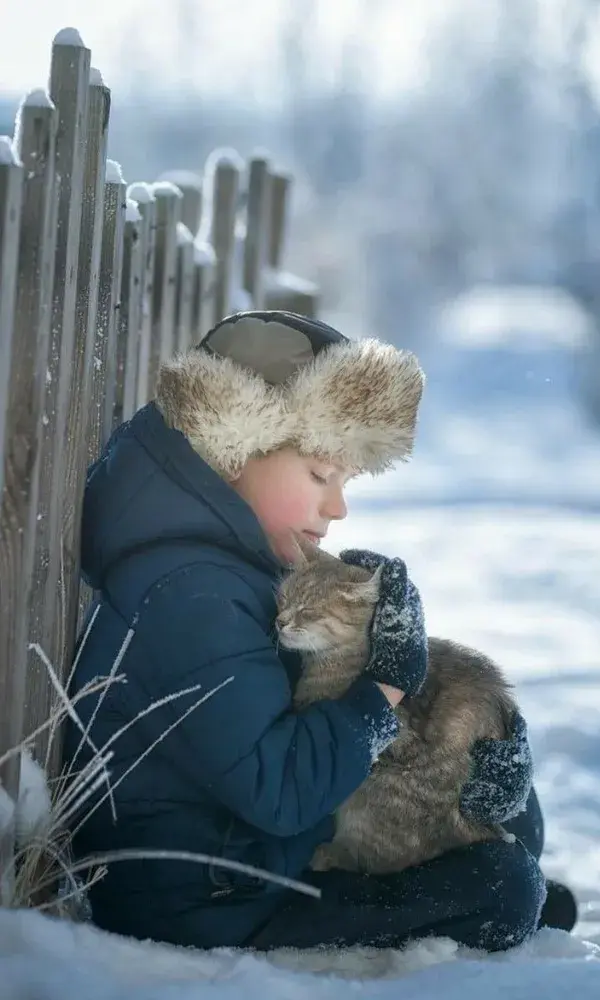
x: 498, y: 518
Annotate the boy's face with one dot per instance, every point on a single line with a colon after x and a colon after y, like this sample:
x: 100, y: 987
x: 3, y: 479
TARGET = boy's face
x: 293, y: 495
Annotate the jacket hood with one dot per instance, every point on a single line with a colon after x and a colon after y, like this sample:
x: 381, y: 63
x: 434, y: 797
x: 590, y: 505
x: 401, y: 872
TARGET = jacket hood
x: 262, y: 380
x: 149, y: 487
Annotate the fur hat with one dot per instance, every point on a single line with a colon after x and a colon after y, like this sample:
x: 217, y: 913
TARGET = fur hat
x: 262, y: 380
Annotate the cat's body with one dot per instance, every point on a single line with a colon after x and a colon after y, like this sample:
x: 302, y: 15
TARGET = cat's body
x: 407, y: 811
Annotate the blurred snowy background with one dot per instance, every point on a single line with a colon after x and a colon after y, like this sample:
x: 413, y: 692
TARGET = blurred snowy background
x: 446, y: 158
x: 437, y: 145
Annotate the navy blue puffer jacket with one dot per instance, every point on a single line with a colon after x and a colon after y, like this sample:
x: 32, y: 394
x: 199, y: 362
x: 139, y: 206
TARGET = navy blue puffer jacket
x: 185, y: 583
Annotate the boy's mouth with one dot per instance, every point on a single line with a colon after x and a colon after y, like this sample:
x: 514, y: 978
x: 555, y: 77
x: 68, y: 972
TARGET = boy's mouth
x: 313, y: 537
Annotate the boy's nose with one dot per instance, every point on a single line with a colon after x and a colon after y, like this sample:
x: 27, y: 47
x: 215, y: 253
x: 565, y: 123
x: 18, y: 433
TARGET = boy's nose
x: 335, y: 508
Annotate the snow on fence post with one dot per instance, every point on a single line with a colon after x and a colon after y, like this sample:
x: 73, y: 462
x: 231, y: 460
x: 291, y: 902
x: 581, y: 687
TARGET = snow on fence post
x: 223, y: 173
x: 162, y: 344
x: 69, y: 79
x: 257, y: 229
x: 146, y: 202
x: 11, y: 678
x: 130, y: 313
x: 35, y: 138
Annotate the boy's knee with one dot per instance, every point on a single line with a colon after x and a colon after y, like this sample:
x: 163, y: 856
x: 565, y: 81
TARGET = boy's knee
x: 519, y: 891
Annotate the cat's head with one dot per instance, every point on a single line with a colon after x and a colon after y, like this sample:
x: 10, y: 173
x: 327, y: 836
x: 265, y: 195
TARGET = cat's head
x: 325, y: 604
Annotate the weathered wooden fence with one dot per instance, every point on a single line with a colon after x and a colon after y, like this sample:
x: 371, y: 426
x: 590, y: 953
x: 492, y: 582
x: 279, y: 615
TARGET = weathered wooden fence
x: 98, y: 283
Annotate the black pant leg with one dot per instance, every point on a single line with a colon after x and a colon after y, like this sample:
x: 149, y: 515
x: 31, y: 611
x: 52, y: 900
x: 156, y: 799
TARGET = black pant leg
x: 528, y: 826
x: 486, y: 896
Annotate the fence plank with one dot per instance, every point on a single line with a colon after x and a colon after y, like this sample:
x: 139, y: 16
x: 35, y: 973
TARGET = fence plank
x: 69, y: 76
x: 11, y: 181
x: 73, y: 600
x: 280, y: 194
x: 283, y: 290
x: 130, y: 312
x: 35, y: 139
x: 204, y: 278
x: 223, y: 174
x: 106, y: 362
x: 11, y: 678
x: 146, y: 202
x: 257, y: 229
x: 162, y: 346
x: 184, y: 293
x: 190, y: 185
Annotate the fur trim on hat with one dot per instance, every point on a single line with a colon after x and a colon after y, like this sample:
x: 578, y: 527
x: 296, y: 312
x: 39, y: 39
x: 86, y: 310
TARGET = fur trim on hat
x: 354, y: 403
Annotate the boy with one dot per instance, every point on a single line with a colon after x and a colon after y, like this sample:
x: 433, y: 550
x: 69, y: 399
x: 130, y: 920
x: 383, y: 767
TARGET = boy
x: 189, y: 520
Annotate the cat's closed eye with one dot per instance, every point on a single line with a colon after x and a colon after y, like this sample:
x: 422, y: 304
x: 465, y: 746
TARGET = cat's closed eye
x: 287, y: 614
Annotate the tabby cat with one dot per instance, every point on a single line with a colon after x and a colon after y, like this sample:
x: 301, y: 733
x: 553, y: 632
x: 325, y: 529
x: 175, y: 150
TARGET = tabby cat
x: 407, y: 810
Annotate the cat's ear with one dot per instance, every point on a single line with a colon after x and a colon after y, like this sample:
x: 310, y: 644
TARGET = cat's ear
x: 367, y: 590
x: 299, y: 559
x: 305, y: 552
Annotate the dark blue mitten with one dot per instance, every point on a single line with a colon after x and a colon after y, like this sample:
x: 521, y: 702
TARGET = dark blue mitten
x: 398, y: 637
x: 501, y: 778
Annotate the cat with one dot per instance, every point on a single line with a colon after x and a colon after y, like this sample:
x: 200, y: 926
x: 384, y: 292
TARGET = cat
x: 407, y: 810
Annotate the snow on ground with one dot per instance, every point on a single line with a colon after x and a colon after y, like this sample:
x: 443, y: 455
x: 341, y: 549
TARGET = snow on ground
x: 498, y: 518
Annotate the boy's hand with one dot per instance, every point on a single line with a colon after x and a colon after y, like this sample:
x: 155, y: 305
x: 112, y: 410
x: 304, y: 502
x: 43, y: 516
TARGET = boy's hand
x: 398, y: 638
x: 501, y: 778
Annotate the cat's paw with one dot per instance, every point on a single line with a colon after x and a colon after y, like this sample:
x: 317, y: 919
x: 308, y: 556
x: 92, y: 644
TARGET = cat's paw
x: 323, y: 859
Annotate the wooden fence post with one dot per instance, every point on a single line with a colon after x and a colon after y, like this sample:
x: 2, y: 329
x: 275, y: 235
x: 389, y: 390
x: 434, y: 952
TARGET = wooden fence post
x: 184, y: 290
x: 130, y: 312
x: 280, y: 193
x: 11, y: 678
x: 203, y: 309
x: 190, y: 185
x: 35, y: 139
x: 283, y: 290
x: 223, y: 172
x: 146, y: 202
x: 162, y: 347
x: 257, y: 229
x: 69, y: 78
x: 106, y: 362
x: 11, y: 182
x: 75, y: 441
